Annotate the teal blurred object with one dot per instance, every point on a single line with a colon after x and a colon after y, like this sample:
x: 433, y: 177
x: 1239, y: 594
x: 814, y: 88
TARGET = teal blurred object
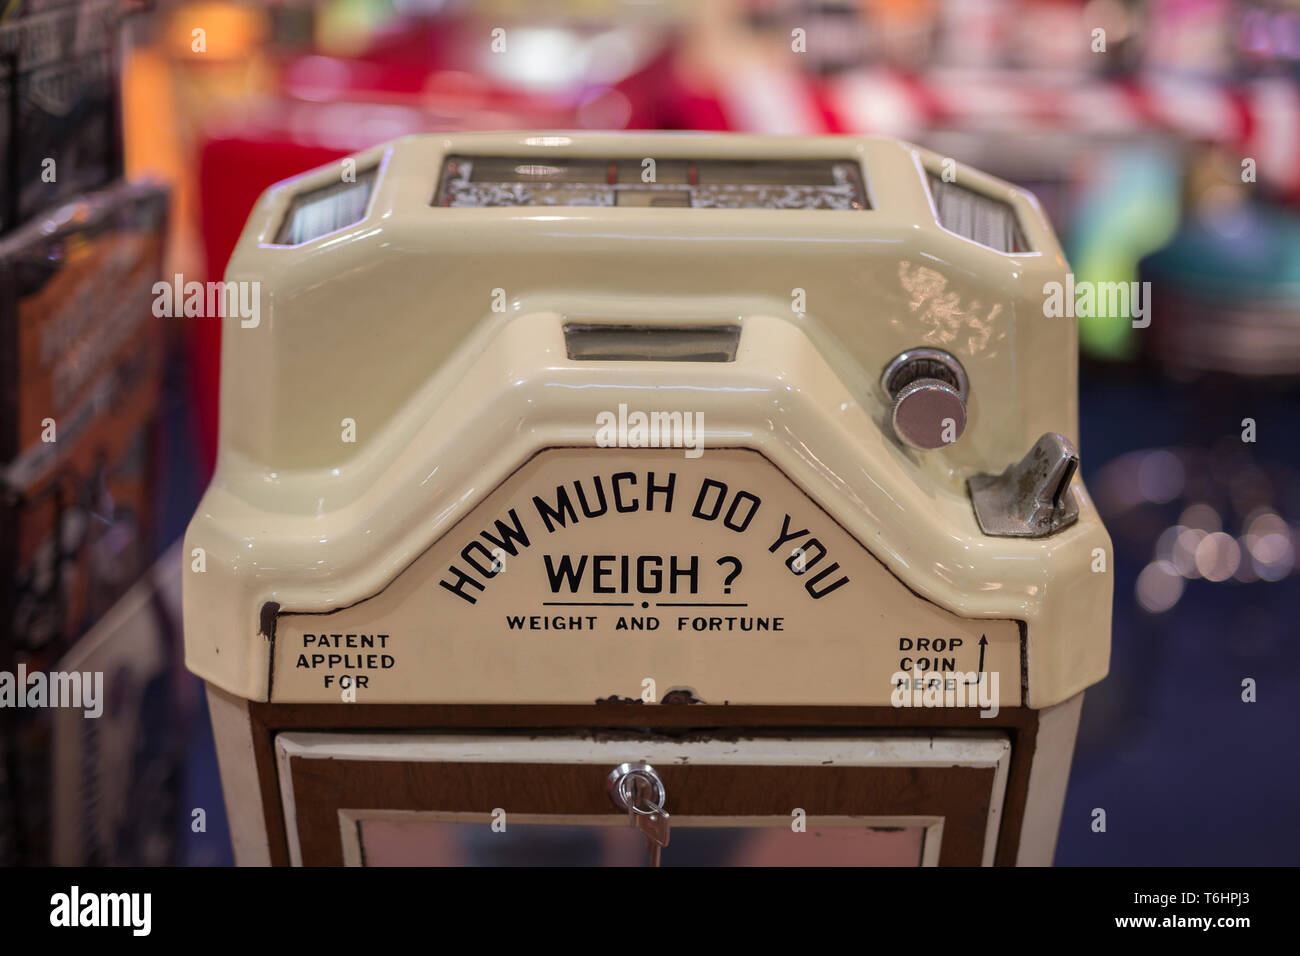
x: 1226, y: 292
x: 1128, y: 208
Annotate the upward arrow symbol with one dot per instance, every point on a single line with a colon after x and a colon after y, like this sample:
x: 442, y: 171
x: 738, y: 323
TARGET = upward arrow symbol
x: 979, y: 672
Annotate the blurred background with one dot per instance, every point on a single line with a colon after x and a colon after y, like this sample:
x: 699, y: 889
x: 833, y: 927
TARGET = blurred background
x: 1163, y: 139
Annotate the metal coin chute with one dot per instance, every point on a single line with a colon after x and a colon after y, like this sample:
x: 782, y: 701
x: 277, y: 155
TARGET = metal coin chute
x: 1032, y: 498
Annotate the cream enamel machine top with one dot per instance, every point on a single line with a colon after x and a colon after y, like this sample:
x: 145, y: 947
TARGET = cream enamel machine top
x: 719, y: 480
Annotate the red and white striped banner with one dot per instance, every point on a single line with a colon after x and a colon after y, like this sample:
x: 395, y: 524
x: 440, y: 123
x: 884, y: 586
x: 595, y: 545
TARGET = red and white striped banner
x: 1261, y: 118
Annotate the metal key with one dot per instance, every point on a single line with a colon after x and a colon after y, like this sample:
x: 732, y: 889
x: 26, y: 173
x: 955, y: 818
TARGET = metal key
x: 654, y: 826
x: 637, y: 788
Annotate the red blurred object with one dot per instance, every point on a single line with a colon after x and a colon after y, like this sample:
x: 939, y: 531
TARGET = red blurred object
x: 235, y: 168
x: 238, y: 161
x: 416, y: 76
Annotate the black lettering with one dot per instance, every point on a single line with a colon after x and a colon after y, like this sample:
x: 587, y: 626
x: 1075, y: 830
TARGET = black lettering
x: 462, y: 579
x: 731, y: 512
x: 565, y: 572
x: 600, y: 571
x: 563, y: 510
x: 809, y: 586
x: 786, y: 535
x: 692, y: 574
x: 708, y: 485
x: 618, y: 497
x: 666, y: 490
x: 582, y: 498
x: 808, y: 562
x: 508, y: 535
x: 467, y: 553
x: 649, y: 574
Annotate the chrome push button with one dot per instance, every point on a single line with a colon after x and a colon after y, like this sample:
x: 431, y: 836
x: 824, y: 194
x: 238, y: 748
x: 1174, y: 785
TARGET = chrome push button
x: 927, y: 389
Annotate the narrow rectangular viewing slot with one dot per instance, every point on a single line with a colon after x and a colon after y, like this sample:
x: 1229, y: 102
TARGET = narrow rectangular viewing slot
x: 983, y: 219
x: 789, y: 184
x: 318, y: 212
x: 650, y: 343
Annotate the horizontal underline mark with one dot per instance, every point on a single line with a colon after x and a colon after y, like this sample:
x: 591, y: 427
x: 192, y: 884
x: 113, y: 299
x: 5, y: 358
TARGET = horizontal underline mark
x: 588, y: 604
x: 699, y: 604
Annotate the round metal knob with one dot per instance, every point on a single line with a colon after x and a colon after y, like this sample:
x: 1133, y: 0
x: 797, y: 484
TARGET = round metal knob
x: 928, y: 390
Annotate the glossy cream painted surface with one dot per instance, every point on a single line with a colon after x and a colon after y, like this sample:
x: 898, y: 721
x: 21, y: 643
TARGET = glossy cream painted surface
x: 709, y: 600
x: 390, y: 323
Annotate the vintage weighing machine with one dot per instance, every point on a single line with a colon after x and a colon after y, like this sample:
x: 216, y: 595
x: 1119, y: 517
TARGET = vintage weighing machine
x: 580, y: 494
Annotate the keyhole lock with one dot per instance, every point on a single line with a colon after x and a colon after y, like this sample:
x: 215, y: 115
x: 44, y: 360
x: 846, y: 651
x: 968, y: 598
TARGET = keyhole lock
x: 636, y: 785
x: 636, y: 789
x: 928, y: 391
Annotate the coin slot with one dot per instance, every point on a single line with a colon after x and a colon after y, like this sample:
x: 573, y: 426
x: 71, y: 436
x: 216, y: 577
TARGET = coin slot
x: 641, y: 343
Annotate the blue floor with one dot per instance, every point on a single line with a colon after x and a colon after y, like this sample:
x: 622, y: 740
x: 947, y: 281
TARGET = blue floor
x: 1187, y: 772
